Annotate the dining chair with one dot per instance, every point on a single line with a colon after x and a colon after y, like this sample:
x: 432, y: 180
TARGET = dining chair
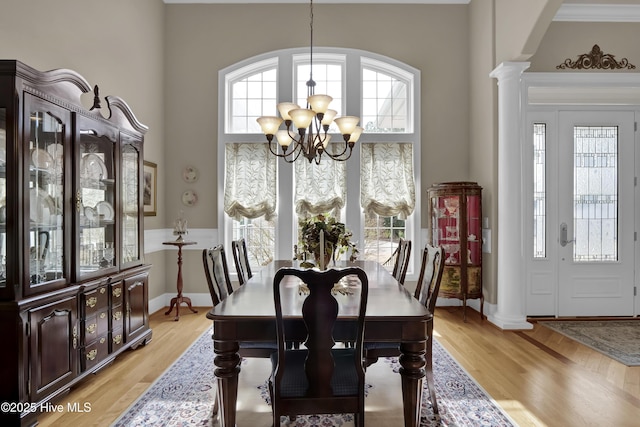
x: 401, y: 263
x: 217, y: 274
x: 319, y: 378
x: 241, y: 260
x: 426, y: 292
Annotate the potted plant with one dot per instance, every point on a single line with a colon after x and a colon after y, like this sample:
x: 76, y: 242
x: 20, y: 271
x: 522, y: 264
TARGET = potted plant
x: 337, y: 239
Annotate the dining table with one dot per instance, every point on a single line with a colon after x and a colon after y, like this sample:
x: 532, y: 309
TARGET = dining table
x: 248, y: 314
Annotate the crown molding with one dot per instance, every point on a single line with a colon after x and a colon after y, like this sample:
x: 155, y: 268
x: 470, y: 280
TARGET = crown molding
x: 318, y: 1
x: 598, y: 13
x: 572, y: 12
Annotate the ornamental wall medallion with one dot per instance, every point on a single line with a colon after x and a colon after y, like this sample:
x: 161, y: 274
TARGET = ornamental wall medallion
x: 596, y: 59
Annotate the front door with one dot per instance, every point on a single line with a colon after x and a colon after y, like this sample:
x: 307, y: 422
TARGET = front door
x: 595, y: 213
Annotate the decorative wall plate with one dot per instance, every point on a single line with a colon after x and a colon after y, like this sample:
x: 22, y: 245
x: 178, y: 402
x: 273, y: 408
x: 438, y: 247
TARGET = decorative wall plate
x: 190, y: 174
x: 189, y: 198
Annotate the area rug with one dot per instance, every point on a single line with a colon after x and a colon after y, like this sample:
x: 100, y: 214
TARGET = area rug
x: 617, y: 339
x: 183, y: 396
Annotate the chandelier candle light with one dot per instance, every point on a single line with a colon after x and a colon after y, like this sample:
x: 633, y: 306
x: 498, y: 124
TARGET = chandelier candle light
x: 312, y: 124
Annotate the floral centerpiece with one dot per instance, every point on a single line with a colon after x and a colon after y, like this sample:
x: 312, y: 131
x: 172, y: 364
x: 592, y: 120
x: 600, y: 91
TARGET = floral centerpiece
x: 337, y: 239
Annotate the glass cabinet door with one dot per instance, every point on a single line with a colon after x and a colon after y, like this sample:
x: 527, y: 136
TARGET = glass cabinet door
x: 3, y: 198
x: 95, y: 199
x: 46, y: 133
x: 474, y: 230
x: 446, y: 227
x: 131, y: 201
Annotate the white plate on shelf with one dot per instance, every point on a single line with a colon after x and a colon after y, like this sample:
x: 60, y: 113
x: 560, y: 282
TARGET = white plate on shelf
x: 41, y: 206
x: 56, y: 150
x: 90, y: 213
x: 92, y: 167
x: 41, y: 159
x: 105, y: 208
x: 3, y: 147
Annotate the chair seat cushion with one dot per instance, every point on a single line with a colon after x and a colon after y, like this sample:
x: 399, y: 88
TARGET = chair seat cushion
x: 259, y: 344
x: 344, y: 381
x: 381, y: 345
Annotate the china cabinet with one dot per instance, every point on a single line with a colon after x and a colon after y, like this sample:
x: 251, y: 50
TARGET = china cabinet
x: 456, y: 225
x: 73, y: 282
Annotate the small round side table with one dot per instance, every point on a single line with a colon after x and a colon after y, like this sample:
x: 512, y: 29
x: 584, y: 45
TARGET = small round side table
x: 179, y: 299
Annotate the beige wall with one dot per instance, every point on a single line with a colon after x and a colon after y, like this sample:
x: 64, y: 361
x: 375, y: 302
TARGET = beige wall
x: 568, y: 40
x: 116, y: 44
x: 520, y: 24
x: 483, y: 152
x: 202, y: 39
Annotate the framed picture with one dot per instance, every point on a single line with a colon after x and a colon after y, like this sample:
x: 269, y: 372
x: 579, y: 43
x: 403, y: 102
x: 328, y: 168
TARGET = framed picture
x: 149, y: 191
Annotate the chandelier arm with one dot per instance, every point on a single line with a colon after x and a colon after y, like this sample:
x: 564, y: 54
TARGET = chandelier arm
x: 286, y: 156
x: 335, y: 156
x: 340, y: 159
x: 297, y: 149
x: 275, y: 153
x: 297, y: 141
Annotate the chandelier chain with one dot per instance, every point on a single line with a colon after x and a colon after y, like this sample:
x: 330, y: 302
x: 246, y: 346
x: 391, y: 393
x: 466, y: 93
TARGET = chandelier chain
x: 310, y: 83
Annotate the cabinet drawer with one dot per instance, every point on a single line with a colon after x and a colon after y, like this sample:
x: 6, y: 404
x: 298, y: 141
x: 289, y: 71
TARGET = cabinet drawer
x: 92, y: 354
x: 117, y: 317
x: 96, y: 325
x: 95, y: 300
x: 117, y: 339
x: 116, y: 293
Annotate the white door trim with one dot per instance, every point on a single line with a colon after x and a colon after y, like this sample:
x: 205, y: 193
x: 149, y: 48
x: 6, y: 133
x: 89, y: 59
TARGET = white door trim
x: 542, y: 95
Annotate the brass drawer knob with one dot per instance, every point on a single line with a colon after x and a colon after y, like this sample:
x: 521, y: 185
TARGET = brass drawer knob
x: 117, y: 315
x: 92, y: 328
x: 91, y: 302
x: 117, y: 339
x: 117, y: 292
x: 92, y: 354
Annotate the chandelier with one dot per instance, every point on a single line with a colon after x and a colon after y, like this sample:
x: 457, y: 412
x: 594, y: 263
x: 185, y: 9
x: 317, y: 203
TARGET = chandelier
x: 307, y: 128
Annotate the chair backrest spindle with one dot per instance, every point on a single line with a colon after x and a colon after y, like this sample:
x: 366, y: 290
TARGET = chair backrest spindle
x: 241, y: 260
x: 401, y: 265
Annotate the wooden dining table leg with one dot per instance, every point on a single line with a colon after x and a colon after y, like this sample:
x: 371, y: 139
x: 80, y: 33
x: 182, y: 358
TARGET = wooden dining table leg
x: 412, y: 372
x: 227, y: 362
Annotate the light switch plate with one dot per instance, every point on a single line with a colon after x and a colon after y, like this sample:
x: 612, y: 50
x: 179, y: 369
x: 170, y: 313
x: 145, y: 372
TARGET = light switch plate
x: 486, y: 240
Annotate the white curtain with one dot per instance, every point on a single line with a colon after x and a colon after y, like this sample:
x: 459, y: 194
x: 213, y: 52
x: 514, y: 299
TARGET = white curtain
x: 387, y: 187
x: 250, y: 181
x: 320, y: 188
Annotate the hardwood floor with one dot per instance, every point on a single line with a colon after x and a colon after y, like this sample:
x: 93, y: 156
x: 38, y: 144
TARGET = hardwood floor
x: 539, y: 377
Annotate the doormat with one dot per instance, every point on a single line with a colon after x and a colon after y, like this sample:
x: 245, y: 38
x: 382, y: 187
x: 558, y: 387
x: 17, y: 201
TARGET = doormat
x: 617, y: 339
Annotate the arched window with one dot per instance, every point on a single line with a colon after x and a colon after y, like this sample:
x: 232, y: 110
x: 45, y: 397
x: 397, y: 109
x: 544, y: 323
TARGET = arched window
x: 374, y: 192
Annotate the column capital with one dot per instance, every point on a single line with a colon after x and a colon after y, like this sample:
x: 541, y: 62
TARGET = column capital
x: 509, y: 69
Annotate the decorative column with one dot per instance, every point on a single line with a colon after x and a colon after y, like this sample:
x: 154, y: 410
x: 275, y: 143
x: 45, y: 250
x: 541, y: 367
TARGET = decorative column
x: 510, y: 313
